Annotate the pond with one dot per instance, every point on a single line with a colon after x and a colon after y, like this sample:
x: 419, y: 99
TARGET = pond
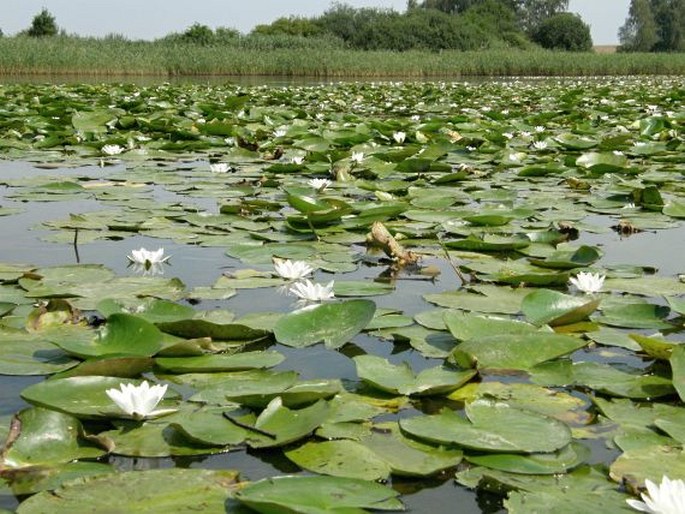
x: 457, y: 366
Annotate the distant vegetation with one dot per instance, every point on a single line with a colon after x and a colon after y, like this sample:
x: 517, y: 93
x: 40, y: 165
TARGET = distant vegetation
x: 431, y: 38
x: 654, y: 26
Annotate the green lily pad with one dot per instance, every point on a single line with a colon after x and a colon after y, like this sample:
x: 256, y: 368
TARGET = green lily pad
x: 47, y: 438
x: 632, y: 383
x: 123, y: 335
x: 544, y: 306
x: 516, y: 351
x: 317, y: 495
x: 154, y: 491
x: 25, y: 354
x: 636, y: 466
x: 331, y: 323
x: 636, y: 315
x: 83, y: 397
x: 212, y: 363
x: 561, y: 461
x: 341, y: 459
x: 491, y: 428
x: 677, y: 361
x: 379, y: 373
x: 464, y: 325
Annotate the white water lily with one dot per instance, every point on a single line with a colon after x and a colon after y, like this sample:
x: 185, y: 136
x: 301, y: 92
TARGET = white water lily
x: 540, y: 145
x: 311, y: 292
x: 297, y: 160
x: 665, y: 498
x: 320, y: 184
x: 357, y: 157
x: 219, y: 167
x: 399, y: 137
x: 138, y: 401
x: 111, y: 149
x: 279, y: 133
x: 292, y: 270
x: 588, y: 283
x: 148, y: 258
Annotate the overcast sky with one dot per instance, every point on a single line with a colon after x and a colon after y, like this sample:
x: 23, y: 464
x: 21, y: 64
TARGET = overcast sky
x: 150, y: 19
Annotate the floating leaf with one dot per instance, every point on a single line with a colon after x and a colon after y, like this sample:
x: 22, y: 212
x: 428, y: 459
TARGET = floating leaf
x: 156, y: 491
x: 493, y: 428
x: 331, y: 323
x: 544, y: 306
x: 317, y: 494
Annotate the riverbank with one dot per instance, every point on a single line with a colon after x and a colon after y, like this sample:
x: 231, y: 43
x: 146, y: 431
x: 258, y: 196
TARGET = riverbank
x: 107, y: 57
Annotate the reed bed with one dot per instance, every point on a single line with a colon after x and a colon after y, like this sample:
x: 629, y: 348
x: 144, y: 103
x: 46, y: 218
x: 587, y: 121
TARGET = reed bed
x: 294, y: 57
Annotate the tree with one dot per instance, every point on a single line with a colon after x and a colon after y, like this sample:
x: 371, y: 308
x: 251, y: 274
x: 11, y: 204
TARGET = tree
x: 43, y: 24
x: 639, y: 32
x: 565, y: 31
x: 199, y: 34
x: 532, y: 13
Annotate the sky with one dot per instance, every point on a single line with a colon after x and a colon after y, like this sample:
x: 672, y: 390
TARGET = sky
x: 150, y: 19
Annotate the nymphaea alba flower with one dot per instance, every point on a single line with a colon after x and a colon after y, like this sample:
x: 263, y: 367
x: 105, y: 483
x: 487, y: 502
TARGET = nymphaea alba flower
x: 665, y: 498
x: 147, y: 258
x: 111, y: 149
x: 357, y: 157
x: 588, y: 283
x: 219, y: 167
x: 292, y: 270
x: 320, y: 184
x: 399, y: 137
x: 297, y: 160
x: 139, y: 401
x: 311, y: 292
x: 540, y: 145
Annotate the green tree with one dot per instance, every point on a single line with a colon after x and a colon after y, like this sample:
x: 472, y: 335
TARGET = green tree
x: 669, y: 16
x: 639, y: 32
x: 43, y: 24
x: 198, y: 34
x: 292, y: 26
x: 564, y: 31
x: 532, y: 13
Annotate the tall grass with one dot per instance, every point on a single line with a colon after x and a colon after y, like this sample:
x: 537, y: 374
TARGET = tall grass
x: 291, y: 56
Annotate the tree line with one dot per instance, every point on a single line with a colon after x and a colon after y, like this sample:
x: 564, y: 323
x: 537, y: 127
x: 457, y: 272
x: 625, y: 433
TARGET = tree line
x: 654, y: 26
x: 651, y: 26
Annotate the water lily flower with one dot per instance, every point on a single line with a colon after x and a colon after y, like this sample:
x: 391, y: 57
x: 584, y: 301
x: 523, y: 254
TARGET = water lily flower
x: 588, y: 283
x: 508, y: 135
x: 311, y: 292
x: 279, y: 133
x: 148, y: 258
x: 539, y: 128
x: 399, y: 137
x: 665, y: 498
x: 111, y: 149
x: 540, y: 145
x: 320, y: 184
x: 292, y: 270
x: 357, y: 157
x: 219, y: 167
x: 138, y: 401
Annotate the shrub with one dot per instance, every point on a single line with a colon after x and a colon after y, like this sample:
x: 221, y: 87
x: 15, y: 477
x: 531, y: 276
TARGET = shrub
x: 198, y: 34
x: 564, y: 31
x: 43, y: 24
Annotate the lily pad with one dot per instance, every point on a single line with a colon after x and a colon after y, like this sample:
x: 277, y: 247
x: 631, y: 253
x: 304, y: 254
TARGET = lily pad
x: 154, y: 491
x: 317, y: 495
x: 553, y: 308
x: 491, y: 428
x: 331, y: 323
x: 379, y: 373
